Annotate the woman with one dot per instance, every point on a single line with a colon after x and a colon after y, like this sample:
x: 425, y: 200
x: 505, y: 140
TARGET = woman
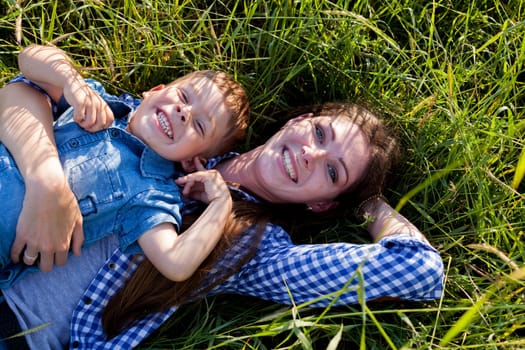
x: 314, y: 161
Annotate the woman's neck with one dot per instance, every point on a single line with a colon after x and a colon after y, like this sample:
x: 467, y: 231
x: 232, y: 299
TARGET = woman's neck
x: 241, y: 170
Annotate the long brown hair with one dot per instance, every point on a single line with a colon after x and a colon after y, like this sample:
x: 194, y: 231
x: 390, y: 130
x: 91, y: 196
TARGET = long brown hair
x: 148, y: 291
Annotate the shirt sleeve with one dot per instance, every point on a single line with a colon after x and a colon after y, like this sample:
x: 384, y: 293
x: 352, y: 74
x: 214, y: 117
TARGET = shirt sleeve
x: 397, y: 266
x: 147, y: 210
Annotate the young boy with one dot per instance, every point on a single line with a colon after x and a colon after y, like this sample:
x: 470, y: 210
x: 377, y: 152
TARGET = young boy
x: 122, y: 177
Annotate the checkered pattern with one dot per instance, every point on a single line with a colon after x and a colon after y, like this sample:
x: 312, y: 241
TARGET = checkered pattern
x: 86, y: 330
x: 397, y: 266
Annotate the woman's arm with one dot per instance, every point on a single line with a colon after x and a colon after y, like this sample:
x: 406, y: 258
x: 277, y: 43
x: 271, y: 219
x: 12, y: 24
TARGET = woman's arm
x: 50, y: 217
x: 384, y: 221
x: 177, y: 257
x: 399, y: 265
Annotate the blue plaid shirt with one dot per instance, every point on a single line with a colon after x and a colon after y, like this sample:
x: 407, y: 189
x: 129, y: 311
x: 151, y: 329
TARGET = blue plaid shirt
x: 399, y: 266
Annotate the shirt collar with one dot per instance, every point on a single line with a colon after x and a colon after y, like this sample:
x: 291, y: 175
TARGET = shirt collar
x: 153, y: 165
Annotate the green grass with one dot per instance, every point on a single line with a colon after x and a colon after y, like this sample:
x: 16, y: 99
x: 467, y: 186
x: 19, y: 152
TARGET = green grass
x: 449, y: 75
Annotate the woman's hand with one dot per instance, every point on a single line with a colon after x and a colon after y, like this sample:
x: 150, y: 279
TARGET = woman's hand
x: 50, y: 220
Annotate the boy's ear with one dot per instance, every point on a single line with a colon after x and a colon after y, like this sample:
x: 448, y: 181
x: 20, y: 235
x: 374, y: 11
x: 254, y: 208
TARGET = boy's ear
x: 319, y: 207
x: 189, y: 165
x: 153, y: 89
x: 298, y: 118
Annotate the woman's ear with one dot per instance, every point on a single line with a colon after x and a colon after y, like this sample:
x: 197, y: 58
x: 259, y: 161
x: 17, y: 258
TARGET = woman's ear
x: 299, y: 118
x: 319, y: 207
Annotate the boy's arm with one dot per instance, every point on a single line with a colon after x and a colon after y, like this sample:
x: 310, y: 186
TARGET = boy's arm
x: 177, y: 257
x: 50, y: 217
x: 51, y: 69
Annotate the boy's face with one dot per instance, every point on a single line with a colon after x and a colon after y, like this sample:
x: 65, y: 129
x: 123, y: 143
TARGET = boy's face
x: 180, y: 121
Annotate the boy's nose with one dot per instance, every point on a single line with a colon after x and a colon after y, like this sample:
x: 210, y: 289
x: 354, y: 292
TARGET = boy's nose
x: 184, y: 114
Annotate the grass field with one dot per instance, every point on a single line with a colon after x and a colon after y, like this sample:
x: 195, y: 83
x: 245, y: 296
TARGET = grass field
x: 448, y: 75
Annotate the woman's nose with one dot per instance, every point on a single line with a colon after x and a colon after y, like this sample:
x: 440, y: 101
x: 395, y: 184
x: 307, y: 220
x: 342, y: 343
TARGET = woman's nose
x: 311, y: 154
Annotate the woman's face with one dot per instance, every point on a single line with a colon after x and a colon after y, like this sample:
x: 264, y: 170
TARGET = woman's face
x: 312, y: 160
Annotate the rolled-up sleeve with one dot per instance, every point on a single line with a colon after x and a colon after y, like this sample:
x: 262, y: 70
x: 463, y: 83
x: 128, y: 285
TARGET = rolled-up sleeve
x: 398, y: 266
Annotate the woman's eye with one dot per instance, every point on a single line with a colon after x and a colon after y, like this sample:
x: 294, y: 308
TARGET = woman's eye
x: 332, y: 172
x: 319, y: 134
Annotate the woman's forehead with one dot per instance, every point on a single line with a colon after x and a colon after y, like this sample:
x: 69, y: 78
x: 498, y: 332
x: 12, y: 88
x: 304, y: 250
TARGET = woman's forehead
x: 337, y: 119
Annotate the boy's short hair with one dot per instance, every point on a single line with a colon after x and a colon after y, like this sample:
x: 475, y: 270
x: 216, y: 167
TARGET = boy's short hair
x: 237, y: 104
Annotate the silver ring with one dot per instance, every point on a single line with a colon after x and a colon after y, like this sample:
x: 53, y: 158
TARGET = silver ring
x: 29, y: 258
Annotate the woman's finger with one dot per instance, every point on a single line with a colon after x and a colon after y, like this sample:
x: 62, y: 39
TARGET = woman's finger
x: 29, y: 258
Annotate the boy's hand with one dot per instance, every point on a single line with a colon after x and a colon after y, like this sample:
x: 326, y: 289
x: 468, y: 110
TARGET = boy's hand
x: 204, y: 185
x: 195, y: 164
x: 49, y: 223
x: 92, y: 113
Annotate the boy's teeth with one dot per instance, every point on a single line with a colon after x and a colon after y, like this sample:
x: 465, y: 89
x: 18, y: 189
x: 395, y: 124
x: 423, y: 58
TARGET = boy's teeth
x: 165, y: 125
x: 287, y: 162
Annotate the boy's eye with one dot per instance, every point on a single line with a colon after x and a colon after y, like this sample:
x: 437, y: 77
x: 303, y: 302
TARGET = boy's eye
x: 183, y: 96
x: 200, y: 127
x: 319, y: 134
x: 332, y: 172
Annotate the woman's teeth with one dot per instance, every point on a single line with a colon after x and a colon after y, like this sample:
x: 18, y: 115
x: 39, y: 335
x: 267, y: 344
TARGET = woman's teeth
x: 165, y: 125
x: 287, y: 162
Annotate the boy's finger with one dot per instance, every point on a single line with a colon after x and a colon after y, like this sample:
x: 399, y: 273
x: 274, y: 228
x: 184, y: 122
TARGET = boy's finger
x: 79, y: 115
x: 181, y: 180
x: 187, y: 187
x: 199, y: 163
x: 109, y: 116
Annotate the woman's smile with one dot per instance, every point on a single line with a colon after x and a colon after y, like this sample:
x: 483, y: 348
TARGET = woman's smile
x: 289, y: 165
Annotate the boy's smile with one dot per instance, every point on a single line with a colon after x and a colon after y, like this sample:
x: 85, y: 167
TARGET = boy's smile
x: 165, y: 124
x: 182, y: 120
